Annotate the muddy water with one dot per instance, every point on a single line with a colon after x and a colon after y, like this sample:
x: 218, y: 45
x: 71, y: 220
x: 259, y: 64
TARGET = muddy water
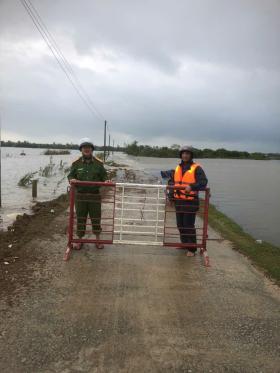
x: 17, y: 200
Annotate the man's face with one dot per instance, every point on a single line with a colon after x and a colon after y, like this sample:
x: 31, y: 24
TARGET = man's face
x: 186, y: 156
x: 87, y: 151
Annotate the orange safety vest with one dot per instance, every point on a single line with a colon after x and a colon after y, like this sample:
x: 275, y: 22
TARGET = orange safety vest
x: 186, y: 179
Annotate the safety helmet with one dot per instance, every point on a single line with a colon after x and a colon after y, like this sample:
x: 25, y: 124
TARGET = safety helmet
x: 85, y: 142
x: 186, y: 148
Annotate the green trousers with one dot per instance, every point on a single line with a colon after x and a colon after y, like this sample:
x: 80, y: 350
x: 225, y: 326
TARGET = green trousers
x: 88, y: 204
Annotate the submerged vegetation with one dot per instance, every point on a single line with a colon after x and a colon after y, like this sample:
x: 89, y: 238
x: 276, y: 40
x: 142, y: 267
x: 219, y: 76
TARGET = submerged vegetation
x: 264, y: 255
x: 50, y: 170
x: 26, y: 180
x: 47, y: 171
x: 114, y: 164
x: 57, y: 152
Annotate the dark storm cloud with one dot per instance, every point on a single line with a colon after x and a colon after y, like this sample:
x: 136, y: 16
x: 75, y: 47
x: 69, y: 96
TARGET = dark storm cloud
x: 161, y: 71
x: 242, y: 33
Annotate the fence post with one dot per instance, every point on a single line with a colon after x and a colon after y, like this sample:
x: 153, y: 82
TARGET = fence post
x: 121, y: 232
x: 34, y: 188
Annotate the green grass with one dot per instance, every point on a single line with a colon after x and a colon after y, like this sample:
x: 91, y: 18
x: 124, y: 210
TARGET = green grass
x: 264, y: 255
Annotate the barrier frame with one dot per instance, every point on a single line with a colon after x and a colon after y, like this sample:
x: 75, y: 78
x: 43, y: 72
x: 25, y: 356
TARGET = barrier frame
x: 166, y: 189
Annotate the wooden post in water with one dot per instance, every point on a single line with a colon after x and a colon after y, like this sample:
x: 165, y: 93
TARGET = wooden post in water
x: 34, y: 188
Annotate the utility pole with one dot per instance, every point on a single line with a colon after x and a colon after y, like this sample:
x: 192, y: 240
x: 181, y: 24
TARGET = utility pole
x: 109, y: 144
x: 105, y: 135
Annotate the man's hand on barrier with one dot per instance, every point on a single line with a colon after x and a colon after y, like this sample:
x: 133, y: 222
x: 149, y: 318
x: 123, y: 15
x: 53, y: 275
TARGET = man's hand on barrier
x: 72, y: 181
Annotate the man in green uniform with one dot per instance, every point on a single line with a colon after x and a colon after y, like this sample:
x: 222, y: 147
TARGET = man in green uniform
x: 87, y: 198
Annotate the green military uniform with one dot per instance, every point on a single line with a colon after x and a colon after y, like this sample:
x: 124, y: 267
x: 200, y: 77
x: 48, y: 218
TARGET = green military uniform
x: 87, y: 198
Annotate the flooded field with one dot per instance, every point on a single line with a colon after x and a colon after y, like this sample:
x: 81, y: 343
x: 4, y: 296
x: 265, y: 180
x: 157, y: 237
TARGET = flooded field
x: 50, y: 171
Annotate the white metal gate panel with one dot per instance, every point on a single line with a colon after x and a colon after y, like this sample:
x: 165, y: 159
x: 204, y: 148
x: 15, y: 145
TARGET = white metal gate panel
x: 139, y: 214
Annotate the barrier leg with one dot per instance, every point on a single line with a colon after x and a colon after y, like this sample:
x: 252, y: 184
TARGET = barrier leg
x: 205, y: 228
x: 206, y: 258
x: 70, y: 224
x: 68, y: 252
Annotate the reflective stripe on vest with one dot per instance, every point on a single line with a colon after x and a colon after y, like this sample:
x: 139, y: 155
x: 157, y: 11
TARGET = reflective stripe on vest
x: 186, y: 179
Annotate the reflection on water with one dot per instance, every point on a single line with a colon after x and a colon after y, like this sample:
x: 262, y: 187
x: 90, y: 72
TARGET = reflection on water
x: 246, y: 190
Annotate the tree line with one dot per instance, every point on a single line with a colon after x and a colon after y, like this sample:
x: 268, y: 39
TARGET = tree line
x: 54, y: 145
x: 151, y: 151
x: 173, y: 152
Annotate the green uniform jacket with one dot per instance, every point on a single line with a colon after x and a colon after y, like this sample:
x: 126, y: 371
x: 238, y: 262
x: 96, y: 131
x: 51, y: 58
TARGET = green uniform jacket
x: 88, y: 171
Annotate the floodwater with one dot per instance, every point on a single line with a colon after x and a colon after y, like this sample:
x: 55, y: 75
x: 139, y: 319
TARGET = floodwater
x: 246, y: 190
x: 18, y: 200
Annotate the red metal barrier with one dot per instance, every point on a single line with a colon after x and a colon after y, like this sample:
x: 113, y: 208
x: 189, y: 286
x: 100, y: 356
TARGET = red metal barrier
x: 186, y: 222
x: 95, y: 202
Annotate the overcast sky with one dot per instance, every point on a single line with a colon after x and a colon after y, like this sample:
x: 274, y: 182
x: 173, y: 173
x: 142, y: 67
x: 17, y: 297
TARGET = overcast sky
x: 203, y: 72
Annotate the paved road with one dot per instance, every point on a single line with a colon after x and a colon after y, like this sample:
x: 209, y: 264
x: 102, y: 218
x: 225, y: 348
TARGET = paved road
x: 139, y: 309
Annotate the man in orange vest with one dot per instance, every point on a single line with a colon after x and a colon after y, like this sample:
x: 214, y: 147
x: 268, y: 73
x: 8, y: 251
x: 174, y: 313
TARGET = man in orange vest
x: 190, y: 175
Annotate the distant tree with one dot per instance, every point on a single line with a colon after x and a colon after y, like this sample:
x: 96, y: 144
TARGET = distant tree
x: 172, y: 152
x: 175, y: 147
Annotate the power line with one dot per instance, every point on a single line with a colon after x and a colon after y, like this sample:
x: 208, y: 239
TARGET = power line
x: 60, y: 58
x: 52, y: 49
x: 63, y: 58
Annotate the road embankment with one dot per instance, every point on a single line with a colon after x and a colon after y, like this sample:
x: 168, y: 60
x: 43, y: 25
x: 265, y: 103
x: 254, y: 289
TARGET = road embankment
x: 263, y: 255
